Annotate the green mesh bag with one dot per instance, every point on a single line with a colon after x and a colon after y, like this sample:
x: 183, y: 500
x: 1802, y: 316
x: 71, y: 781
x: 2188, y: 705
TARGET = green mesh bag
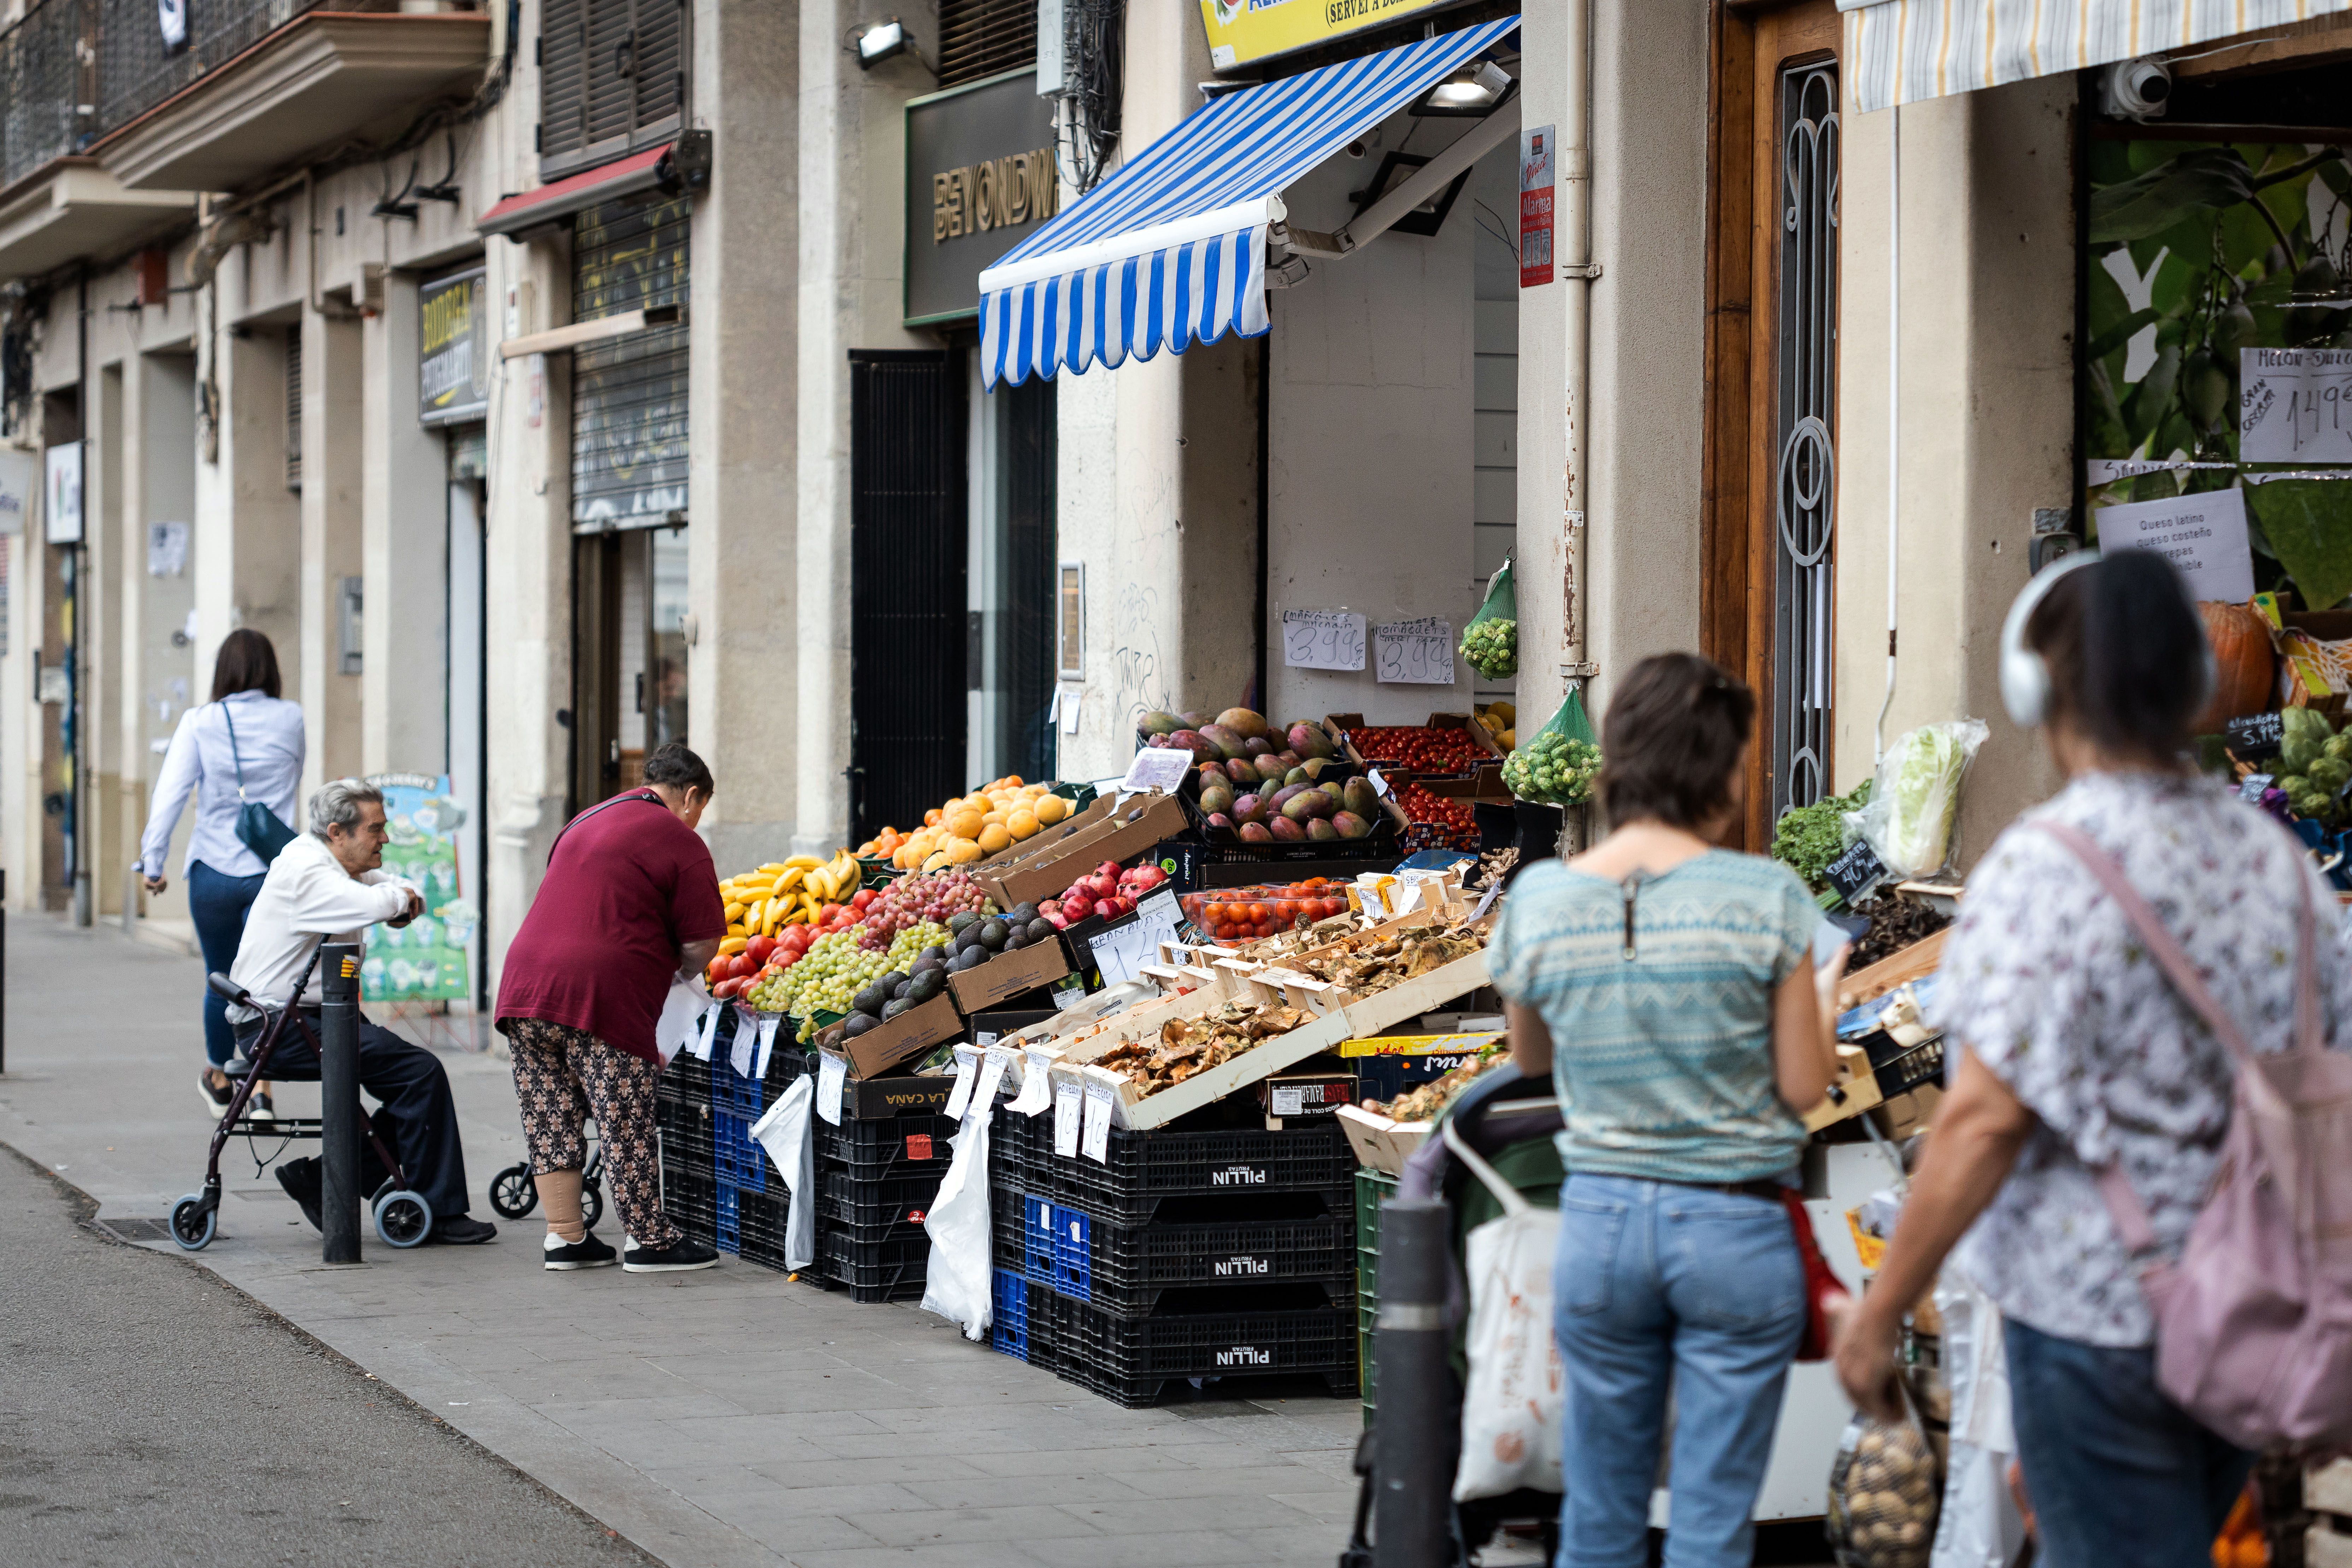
x: 1557, y: 765
x: 1490, y: 643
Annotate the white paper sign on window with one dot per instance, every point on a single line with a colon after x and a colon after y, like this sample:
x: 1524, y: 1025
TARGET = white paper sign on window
x: 2203, y: 534
x: 1322, y: 639
x: 2293, y: 406
x: 1413, y: 653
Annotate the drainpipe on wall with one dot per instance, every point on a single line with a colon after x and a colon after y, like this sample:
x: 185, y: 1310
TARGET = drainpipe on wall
x: 1893, y: 404
x: 1576, y: 275
x: 82, y: 835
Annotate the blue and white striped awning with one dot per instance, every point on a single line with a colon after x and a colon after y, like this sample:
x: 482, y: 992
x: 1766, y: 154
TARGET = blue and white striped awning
x: 1171, y: 250
x: 1901, y: 51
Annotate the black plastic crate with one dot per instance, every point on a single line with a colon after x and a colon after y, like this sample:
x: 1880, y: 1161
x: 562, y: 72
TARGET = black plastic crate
x: 761, y: 1220
x: 1140, y: 1362
x: 848, y: 1199
x: 1129, y: 1271
x: 692, y: 1203
x: 876, y: 1270
x: 922, y: 1146
x: 1146, y: 1167
x: 687, y: 1079
x: 875, y: 1145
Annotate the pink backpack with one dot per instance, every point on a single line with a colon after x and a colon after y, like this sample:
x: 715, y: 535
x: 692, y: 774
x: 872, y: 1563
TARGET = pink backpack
x: 2253, y: 1325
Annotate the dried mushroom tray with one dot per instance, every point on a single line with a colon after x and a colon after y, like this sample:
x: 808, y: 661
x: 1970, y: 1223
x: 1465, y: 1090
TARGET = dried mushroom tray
x: 1173, y: 1053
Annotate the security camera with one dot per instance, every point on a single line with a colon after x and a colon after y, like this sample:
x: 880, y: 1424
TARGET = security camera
x: 2136, y: 89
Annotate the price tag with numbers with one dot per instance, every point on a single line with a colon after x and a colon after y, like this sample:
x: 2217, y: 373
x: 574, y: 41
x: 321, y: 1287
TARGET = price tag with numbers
x: 1096, y: 1134
x: 1413, y: 653
x: 1322, y: 639
x: 1065, y: 1118
x: 967, y: 1062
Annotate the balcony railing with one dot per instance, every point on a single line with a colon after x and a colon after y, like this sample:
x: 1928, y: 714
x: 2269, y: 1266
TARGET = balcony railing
x: 73, y: 70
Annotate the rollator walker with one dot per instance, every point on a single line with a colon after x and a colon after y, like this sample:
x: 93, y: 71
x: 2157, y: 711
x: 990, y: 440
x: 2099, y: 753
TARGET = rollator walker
x: 403, y: 1217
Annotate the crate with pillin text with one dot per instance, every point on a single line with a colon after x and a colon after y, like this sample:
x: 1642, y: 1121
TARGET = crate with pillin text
x: 1207, y: 1335
x: 1128, y: 1271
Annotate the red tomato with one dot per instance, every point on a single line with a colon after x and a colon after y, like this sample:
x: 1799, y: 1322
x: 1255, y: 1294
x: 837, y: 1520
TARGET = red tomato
x: 862, y: 899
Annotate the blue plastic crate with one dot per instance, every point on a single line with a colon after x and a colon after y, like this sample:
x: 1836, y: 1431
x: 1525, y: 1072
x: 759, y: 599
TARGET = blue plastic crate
x: 1073, y: 1253
x: 1037, y: 1215
x: 737, y: 1157
x: 1009, y: 1295
x: 730, y: 1220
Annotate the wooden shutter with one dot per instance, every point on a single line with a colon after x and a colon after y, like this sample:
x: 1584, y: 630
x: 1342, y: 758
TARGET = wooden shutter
x: 612, y: 78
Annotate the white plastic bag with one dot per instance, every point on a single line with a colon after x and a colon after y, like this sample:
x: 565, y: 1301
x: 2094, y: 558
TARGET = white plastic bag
x: 1908, y: 817
x: 1980, y: 1526
x: 957, y: 1284
x: 1512, y: 1399
x: 790, y: 1141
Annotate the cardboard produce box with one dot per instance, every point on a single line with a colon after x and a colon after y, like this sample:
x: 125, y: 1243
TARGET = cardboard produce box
x: 880, y: 1099
x: 1044, y: 868
x: 1007, y: 976
x: 884, y: 1046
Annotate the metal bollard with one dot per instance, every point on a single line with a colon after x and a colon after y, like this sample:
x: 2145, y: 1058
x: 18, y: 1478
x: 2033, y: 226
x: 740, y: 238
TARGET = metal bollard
x: 1418, y: 1426
x: 339, y: 1099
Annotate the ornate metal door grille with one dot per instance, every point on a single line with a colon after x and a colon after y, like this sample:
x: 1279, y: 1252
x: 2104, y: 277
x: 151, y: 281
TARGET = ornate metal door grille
x: 1805, y: 482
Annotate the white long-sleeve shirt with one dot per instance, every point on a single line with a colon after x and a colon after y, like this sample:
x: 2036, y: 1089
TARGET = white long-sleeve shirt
x: 269, y: 743
x: 308, y: 898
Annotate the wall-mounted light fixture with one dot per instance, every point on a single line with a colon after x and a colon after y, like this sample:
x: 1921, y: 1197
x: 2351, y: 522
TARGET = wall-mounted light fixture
x: 1471, y: 90
x: 882, y: 41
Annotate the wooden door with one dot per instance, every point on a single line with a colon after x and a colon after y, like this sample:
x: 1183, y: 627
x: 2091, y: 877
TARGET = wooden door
x: 1768, y: 593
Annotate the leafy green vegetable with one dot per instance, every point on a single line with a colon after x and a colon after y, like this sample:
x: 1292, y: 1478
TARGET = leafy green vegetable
x: 1809, y: 837
x: 1910, y: 822
x: 2304, y: 734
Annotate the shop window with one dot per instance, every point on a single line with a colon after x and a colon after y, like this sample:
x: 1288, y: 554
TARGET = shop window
x: 613, y: 79
x: 981, y: 38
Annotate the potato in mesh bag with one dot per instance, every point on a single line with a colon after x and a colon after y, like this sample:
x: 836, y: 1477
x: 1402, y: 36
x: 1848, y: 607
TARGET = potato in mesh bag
x: 1884, y: 1493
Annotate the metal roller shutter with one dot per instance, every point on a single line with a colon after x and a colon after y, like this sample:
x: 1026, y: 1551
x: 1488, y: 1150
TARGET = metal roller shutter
x: 629, y: 394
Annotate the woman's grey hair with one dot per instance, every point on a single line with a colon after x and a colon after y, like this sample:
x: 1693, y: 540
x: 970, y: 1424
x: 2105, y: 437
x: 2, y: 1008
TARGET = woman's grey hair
x: 336, y: 805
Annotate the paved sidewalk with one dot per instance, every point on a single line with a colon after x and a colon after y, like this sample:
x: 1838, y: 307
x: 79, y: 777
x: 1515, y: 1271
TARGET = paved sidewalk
x: 726, y: 1417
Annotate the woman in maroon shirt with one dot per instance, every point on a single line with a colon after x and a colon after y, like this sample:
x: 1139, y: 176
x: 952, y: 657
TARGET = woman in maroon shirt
x: 630, y: 900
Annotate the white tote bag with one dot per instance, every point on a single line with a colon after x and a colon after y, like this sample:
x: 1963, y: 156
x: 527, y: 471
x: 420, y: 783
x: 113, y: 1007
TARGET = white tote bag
x: 1512, y: 1403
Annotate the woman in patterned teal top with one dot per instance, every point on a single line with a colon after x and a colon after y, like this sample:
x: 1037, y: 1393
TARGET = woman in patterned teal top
x: 1674, y: 975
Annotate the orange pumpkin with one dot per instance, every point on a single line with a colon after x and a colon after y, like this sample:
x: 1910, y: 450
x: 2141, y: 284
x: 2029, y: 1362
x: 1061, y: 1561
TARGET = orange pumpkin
x: 2242, y: 661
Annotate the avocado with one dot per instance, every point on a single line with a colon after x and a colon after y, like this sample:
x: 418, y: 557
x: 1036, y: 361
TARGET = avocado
x: 892, y: 984
x: 957, y: 922
x: 1016, y: 938
x: 895, y: 1006
x: 926, y: 984
x: 1040, y: 930
x: 925, y: 965
x: 968, y: 939
x: 967, y: 959
x: 857, y: 1024
x: 1022, y: 914
x: 992, y: 935
x: 869, y: 1000
x: 936, y: 952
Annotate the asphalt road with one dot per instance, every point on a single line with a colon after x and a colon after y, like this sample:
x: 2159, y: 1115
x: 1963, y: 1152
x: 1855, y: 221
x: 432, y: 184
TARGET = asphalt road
x: 151, y: 1414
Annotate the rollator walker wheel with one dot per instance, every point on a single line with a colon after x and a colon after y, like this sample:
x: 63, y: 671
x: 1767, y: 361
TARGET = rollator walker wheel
x: 591, y: 1205
x: 402, y: 1219
x: 512, y: 1192
x: 194, y: 1221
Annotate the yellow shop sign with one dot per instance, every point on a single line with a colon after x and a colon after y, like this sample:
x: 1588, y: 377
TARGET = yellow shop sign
x: 1242, y: 31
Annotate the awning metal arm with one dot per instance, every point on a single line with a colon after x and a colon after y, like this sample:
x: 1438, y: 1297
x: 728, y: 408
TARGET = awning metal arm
x: 591, y: 331
x: 1423, y: 184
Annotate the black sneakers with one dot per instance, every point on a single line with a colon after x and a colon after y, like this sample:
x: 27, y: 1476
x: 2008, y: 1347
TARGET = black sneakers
x: 460, y: 1230
x: 586, y: 1253
x: 215, y: 1099
x: 676, y: 1258
x: 303, y: 1183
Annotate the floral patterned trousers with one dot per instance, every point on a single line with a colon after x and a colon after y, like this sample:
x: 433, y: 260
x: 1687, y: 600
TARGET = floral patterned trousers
x: 563, y: 1074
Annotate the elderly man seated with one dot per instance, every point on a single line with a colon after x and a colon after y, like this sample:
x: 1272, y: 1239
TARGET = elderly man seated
x: 328, y: 885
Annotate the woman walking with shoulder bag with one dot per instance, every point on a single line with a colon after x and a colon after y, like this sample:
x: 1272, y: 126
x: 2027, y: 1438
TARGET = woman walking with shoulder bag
x: 1667, y: 984
x: 240, y: 755
x: 2094, y: 1090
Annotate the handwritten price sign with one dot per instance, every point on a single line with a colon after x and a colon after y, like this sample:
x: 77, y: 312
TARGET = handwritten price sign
x: 2295, y: 406
x: 1414, y: 653
x: 1322, y: 639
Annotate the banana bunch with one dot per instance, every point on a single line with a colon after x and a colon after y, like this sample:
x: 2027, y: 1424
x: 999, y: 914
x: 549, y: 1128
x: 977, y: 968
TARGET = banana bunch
x: 784, y: 893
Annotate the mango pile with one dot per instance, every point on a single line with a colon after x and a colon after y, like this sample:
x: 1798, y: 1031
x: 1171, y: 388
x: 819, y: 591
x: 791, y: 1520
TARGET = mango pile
x: 989, y: 821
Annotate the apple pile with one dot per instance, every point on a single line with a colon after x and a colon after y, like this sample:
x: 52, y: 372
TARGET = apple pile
x: 1105, y: 890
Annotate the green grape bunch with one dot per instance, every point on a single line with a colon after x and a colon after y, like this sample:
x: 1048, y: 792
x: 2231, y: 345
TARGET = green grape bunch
x: 835, y: 969
x: 1552, y: 768
x: 1492, y: 647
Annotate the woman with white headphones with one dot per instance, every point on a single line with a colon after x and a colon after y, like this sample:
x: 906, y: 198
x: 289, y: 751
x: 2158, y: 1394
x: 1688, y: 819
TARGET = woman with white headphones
x: 2074, y: 1054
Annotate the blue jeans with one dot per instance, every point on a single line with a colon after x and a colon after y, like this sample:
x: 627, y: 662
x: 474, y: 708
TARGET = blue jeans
x: 1657, y: 1283
x: 218, y: 904
x: 2117, y: 1472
